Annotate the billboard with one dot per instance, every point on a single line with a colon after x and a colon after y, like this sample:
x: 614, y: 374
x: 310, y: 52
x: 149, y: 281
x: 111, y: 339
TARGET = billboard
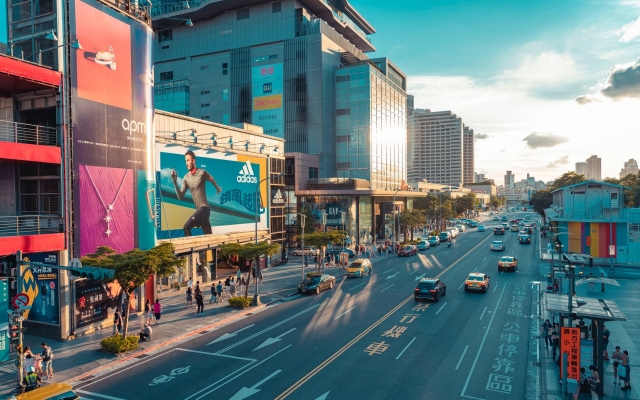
x: 42, y: 284
x: 268, y: 111
x: 112, y: 113
x: 95, y: 298
x: 204, y: 191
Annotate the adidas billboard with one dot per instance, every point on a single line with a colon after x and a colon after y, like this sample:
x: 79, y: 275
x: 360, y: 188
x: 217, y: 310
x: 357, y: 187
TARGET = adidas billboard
x: 277, y: 198
x: 246, y: 174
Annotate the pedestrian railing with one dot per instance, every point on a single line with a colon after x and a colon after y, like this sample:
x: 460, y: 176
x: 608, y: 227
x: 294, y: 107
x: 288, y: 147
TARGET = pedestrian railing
x: 30, y: 225
x: 18, y: 132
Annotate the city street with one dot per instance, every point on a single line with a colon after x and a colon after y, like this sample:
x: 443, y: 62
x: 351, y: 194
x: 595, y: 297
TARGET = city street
x: 366, y: 337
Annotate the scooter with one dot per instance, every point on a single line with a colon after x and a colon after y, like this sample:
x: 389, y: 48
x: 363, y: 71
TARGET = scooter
x: 449, y: 243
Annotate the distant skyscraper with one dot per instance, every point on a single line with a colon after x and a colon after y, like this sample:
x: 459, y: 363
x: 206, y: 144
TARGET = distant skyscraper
x: 479, y: 178
x: 594, y: 168
x: 581, y: 168
x: 435, y: 147
x: 630, y: 168
x: 410, y: 104
x: 509, y: 180
x: 468, y: 155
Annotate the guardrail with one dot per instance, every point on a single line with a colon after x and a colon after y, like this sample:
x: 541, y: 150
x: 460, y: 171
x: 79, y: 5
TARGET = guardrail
x: 30, y: 225
x: 17, y: 132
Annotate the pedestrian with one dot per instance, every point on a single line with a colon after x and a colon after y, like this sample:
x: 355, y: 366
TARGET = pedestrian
x: 214, y: 294
x: 117, y: 321
x: 556, y: 286
x: 547, y: 330
x: 232, y: 287
x: 145, y: 333
x: 219, y: 289
x: 150, y: 312
x: 594, y: 380
x: 626, y: 385
x: 605, y: 341
x: 592, y: 284
x: 555, y: 340
x: 602, y: 276
x: 157, y: 310
x: 238, y: 274
x: 47, y: 358
x: 616, y: 357
x: 147, y: 309
x: 199, y: 303
x: 581, y: 382
x: 189, y: 297
x: 197, y: 288
x: 190, y: 283
x: 260, y: 277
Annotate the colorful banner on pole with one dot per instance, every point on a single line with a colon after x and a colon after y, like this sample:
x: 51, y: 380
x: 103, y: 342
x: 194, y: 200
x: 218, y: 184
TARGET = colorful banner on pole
x: 570, y: 344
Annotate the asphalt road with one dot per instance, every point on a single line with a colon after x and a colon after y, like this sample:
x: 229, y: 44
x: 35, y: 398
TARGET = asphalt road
x: 366, y: 338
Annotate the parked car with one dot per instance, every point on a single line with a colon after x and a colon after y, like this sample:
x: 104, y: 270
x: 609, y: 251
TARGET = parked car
x: 316, y: 282
x: 461, y: 228
x: 507, y: 263
x: 430, y: 288
x: 423, y: 245
x: 337, y: 250
x: 308, y: 251
x: 359, y: 268
x: 444, y: 236
x: 433, y: 240
x: 477, y: 281
x: 524, y: 239
x: 497, y: 245
x: 480, y: 228
x: 407, y: 251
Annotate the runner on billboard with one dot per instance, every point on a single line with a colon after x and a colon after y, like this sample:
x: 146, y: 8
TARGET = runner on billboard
x: 195, y: 181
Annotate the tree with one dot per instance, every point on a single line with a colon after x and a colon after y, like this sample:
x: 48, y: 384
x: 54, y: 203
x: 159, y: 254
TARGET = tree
x: 494, y: 201
x: 322, y: 239
x: 429, y: 204
x: 410, y: 219
x: 309, y: 223
x: 540, y: 200
x: 133, y: 268
x: 566, y: 179
x: 250, y: 251
x: 631, y: 195
x: 466, y: 202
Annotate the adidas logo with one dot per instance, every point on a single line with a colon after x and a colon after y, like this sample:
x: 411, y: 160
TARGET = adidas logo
x: 246, y: 174
x: 278, y: 199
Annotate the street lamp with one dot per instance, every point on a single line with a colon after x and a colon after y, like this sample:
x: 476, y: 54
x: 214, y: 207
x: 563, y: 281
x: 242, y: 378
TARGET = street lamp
x: 256, y: 297
x: 610, y: 234
x: 395, y: 236
x: 302, y: 229
x: 344, y: 228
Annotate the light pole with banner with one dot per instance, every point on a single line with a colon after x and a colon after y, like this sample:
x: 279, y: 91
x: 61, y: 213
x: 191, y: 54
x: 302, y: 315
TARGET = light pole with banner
x: 302, y: 223
x: 344, y: 228
x: 612, y: 246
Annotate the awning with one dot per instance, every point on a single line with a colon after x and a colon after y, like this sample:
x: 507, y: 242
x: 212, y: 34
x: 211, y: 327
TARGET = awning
x: 602, y: 309
x: 597, y: 279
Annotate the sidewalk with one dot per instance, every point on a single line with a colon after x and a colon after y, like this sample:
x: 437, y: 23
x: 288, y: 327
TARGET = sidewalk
x: 82, y: 356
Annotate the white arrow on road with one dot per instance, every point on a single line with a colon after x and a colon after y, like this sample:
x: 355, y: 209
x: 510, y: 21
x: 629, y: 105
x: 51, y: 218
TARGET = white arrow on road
x: 273, y: 340
x: 324, y: 396
x: 419, y: 277
x: 229, y: 335
x: 392, y: 276
x: 246, y: 392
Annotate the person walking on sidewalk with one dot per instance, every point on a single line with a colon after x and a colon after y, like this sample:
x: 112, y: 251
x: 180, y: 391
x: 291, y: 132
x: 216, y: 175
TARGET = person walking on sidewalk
x: 594, y: 380
x: 148, y: 311
x: 616, y: 357
x: 238, y: 275
x: 547, y: 329
x: 232, y: 287
x: 47, y: 358
x: 213, y: 294
x: 190, y: 283
x: 199, y: 303
x: 605, y: 341
x: 581, y: 382
x: 117, y: 321
x: 555, y: 340
x: 157, y: 310
x: 626, y: 385
x: 189, y: 297
x: 219, y: 289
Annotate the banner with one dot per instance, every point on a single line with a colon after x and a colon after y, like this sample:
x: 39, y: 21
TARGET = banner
x: 216, y: 196
x: 570, y: 344
x: 4, y: 321
x: 94, y: 299
x: 42, y: 285
x: 268, y: 111
x: 112, y: 103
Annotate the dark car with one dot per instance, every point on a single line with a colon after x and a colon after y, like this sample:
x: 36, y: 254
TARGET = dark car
x: 498, y: 230
x: 430, y: 288
x: 407, y: 251
x: 337, y: 250
x: 525, y: 239
x: 444, y: 236
x: 315, y: 283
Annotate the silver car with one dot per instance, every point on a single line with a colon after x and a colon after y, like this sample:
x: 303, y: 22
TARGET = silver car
x: 497, y: 245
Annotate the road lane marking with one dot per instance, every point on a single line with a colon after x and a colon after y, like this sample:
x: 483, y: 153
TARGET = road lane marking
x: 441, y: 308
x: 246, y: 392
x: 217, y: 355
x: 357, y: 286
x: 482, y: 315
x: 386, y: 288
x: 464, y: 352
x: 103, y: 396
x: 414, y: 272
x: 388, y: 271
x: 475, y: 269
x: 495, y: 288
x: 392, y: 276
x: 446, y: 252
x: 406, y: 347
x: 273, y: 340
x: 462, y: 284
x: 484, y: 258
x: 475, y: 361
x: 230, y: 335
x: 345, y: 312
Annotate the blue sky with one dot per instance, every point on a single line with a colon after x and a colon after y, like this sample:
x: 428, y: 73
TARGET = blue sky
x: 513, y: 70
x: 3, y: 21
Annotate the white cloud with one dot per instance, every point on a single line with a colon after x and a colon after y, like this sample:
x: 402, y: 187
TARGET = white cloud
x: 538, y: 140
x: 544, y: 69
x: 564, y: 160
x: 623, y: 82
x: 630, y: 31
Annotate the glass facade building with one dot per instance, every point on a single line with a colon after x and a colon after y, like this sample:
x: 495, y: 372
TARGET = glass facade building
x: 371, y: 124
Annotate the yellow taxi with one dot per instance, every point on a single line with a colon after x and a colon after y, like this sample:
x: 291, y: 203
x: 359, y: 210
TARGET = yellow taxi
x: 476, y: 281
x: 359, y: 268
x: 507, y: 262
x: 54, y: 391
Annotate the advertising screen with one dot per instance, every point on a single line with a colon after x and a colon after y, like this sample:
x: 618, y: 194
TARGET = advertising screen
x: 268, y: 109
x: 41, y: 283
x: 201, y: 191
x: 112, y: 112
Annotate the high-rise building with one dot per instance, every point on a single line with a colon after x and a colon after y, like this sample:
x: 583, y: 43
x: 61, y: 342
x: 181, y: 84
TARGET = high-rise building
x: 435, y: 146
x: 594, y: 168
x: 410, y: 104
x: 581, y: 168
x: 468, y: 155
x: 275, y: 64
x: 630, y: 168
x: 479, y: 177
x: 509, y: 180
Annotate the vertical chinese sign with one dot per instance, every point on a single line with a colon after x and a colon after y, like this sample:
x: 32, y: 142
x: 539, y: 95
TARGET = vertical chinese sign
x: 570, y: 344
x: 4, y: 324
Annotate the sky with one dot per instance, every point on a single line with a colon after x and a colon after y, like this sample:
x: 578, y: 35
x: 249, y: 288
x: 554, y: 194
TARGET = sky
x: 544, y: 84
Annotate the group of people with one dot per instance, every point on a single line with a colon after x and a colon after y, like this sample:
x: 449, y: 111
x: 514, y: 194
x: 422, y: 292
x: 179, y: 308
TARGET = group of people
x: 621, y: 367
x: 37, y: 367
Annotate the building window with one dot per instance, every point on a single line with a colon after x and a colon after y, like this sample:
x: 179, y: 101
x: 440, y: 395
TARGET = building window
x: 242, y: 14
x: 225, y: 68
x: 204, y: 105
x: 313, y: 173
x: 225, y: 94
x: 204, y: 67
x: 343, y: 78
x: 276, y: 7
x: 165, y: 47
x: 206, y: 117
x: 225, y: 119
x: 166, y: 76
x: 204, y: 92
x: 165, y: 36
x: 343, y: 111
x: 226, y: 32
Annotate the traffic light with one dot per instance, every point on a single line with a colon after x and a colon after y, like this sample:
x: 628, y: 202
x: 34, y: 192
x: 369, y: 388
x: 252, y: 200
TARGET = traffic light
x: 93, y: 273
x: 14, y: 330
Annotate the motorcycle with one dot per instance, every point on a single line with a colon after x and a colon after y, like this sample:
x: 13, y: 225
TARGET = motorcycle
x: 449, y: 243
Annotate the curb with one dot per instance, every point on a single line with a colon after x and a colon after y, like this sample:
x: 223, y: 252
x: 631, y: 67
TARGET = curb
x: 168, y: 342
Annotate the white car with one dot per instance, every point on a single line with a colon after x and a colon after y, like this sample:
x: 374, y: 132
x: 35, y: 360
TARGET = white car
x: 497, y: 245
x: 461, y: 228
x: 308, y: 251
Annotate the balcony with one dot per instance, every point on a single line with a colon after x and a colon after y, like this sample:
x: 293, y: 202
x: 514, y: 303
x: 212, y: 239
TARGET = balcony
x: 27, y: 225
x: 17, y: 132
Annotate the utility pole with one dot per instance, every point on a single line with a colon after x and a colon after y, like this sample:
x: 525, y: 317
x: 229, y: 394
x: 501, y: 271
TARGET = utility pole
x: 302, y: 221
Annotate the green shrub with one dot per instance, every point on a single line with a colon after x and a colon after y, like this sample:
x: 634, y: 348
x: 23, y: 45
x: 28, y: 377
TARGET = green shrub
x: 240, y: 301
x: 116, y: 344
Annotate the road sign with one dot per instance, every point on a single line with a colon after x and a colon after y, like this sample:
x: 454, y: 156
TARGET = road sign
x: 612, y: 250
x: 20, y: 300
x: 74, y: 263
